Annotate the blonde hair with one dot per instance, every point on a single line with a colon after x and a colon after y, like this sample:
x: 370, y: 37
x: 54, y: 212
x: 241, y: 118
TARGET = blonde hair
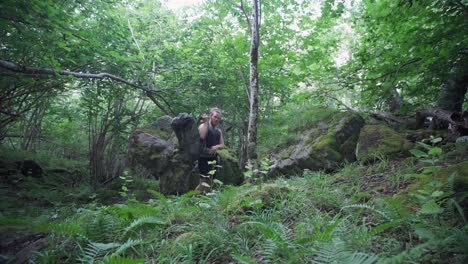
x: 215, y: 109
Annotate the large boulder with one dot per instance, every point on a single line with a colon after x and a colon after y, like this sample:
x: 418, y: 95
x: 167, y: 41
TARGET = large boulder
x: 230, y: 172
x: 169, y: 150
x: 328, y: 143
x: 376, y: 141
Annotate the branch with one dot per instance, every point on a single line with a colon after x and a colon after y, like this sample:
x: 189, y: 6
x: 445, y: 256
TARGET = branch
x: 241, y: 7
x: 383, y: 75
x: 48, y: 71
x: 133, y: 35
x: 30, y: 71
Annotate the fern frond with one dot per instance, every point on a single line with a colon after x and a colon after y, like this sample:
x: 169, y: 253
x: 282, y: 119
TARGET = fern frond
x: 325, y: 235
x: 368, y: 207
x: 96, y: 250
x: 269, y: 250
x: 130, y: 243
x: 144, y: 220
x: 158, y: 195
x: 63, y: 229
x: 326, y: 254
x: 103, y: 228
x: 380, y: 228
x: 413, y: 253
x: 358, y: 258
x: 189, y: 194
x: 244, y: 259
x: 121, y: 260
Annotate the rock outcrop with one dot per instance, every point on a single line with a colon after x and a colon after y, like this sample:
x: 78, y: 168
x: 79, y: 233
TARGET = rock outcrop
x: 328, y: 143
x: 169, y: 150
x: 377, y: 141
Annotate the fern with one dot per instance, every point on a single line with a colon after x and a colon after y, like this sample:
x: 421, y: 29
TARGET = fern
x: 325, y: 235
x: 278, y: 242
x: 160, y: 196
x: 103, y: 228
x: 144, y: 220
x: 368, y: 207
x: 269, y: 250
x: 244, y: 259
x: 96, y: 250
x: 413, y: 253
x: 121, y: 260
x: 63, y: 229
x: 358, y: 258
x: 129, y: 244
x: 336, y: 252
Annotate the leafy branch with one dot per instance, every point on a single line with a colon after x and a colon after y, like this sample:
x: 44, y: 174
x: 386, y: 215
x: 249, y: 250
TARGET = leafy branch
x: 38, y: 72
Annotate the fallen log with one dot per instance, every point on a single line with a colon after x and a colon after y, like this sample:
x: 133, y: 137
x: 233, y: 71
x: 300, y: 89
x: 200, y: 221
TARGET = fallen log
x: 389, y: 119
x: 457, y: 122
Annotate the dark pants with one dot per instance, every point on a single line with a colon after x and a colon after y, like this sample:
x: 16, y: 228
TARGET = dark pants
x: 206, y: 179
x: 204, y: 167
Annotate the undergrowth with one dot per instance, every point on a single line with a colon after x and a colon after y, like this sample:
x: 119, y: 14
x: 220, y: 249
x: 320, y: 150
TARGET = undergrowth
x: 310, y: 218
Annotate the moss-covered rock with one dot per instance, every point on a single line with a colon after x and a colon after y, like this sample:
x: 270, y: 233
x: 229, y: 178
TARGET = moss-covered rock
x: 169, y: 149
x: 230, y: 172
x: 328, y: 143
x: 380, y: 141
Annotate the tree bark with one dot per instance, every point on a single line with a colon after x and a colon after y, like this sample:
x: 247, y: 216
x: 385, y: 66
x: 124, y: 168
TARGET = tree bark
x: 254, y: 85
x: 458, y: 123
x: 452, y: 93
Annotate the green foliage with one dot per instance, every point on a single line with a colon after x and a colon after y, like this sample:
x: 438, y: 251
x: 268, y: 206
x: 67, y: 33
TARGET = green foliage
x: 404, y: 47
x: 281, y: 128
x: 189, y: 63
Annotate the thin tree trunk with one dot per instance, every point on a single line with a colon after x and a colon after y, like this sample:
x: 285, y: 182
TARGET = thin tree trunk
x: 254, y: 86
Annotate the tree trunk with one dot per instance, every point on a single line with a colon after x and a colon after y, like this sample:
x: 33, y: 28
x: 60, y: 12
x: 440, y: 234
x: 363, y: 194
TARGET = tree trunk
x: 254, y: 85
x: 452, y: 93
x: 458, y: 122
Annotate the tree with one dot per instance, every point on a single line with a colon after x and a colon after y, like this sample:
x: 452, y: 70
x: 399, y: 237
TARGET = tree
x: 405, y: 50
x: 254, y: 84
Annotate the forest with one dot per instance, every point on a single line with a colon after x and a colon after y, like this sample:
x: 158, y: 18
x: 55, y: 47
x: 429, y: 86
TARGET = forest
x: 345, y: 124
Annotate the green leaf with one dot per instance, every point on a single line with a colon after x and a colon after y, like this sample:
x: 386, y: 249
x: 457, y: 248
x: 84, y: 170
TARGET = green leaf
x: 424, y: 145
x: 216, y: 181
x: 418, y: 153
x: 416, y: 175
x: 431, y: 208
x: 435, y: 151
x: 437, y: 194
x: 204, y: 205
x: 431, y: 169
x: 424, y: 233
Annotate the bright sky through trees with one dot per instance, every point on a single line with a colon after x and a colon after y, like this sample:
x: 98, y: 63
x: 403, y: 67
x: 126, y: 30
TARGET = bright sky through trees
x: 178, y: 4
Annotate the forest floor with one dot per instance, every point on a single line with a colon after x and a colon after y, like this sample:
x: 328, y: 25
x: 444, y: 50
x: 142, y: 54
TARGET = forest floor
x: 389, y: 211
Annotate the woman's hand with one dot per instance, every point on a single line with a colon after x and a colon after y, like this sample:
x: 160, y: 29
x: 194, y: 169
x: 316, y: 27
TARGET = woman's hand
x: 204, y: 118
x: 213, y: 149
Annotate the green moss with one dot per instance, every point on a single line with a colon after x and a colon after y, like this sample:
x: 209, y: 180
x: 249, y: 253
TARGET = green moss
x: 380, y: 140
x: 281, y: 128
x: 227, y: 155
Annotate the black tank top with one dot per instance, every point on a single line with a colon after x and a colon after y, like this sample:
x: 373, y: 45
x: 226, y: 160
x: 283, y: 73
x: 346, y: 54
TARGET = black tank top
x: 213, y: 138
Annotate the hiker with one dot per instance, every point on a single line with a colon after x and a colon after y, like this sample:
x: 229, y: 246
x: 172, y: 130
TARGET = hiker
x: 211, y: 140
